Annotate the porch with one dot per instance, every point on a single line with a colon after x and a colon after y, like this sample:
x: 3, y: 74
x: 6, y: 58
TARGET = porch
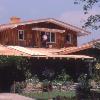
x: 38, y: 61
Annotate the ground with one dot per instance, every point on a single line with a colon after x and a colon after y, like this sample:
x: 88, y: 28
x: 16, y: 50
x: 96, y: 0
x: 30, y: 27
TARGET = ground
x: 10, y: 96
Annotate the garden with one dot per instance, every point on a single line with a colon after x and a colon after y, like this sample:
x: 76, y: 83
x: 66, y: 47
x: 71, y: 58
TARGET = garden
x: 60, y: 86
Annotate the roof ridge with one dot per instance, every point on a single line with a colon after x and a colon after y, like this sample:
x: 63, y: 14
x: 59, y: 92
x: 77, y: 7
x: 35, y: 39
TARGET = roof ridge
x: 53, y: 20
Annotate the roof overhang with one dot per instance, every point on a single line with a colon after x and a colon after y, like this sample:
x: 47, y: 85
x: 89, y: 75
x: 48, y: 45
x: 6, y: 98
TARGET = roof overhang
x: 46, y: 53
x: 72, y: 56
x: 48, y: 30
x: 79, y: 31
x: 82, y: 33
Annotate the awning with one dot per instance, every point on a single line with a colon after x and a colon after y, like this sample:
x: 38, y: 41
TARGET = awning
x: 48, y: 30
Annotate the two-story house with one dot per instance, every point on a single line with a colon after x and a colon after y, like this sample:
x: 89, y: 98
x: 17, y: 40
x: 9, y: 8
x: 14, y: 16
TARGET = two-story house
x: 40, y: 33
x: 46, y: 44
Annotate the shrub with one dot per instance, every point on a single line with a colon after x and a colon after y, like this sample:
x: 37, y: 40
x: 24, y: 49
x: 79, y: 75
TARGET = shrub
x: 63, y: 77
x: 17, y: 87
x: 83, y: 89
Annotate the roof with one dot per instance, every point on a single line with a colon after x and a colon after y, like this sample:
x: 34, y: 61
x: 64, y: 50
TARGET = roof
x: 71, y: 50
x: 4, y: 50
x: 45, y: 52
x: 36, y: 52
x: 80, y: 31
x: 49, y: 52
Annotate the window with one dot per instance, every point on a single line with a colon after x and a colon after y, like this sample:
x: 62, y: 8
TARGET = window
x: 48, y: 37
x: 69, y: 38
x: 21, y: 34
x: 51, y: 37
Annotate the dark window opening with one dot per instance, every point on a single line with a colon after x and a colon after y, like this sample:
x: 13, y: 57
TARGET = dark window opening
x: 68, y: 38
x: 21, y: 34
x: 52, y: 37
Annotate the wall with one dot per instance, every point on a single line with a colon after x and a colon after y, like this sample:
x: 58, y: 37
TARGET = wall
x: 32, y: 38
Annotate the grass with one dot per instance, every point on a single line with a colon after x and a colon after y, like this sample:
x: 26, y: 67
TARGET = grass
x: 46, y: 95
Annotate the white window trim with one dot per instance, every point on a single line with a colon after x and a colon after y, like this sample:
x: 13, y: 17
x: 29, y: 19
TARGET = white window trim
x: 50, y: 37
x: 19, y: 33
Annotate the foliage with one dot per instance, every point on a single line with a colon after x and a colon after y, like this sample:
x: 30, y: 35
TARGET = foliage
x: 47, y: 86
x: 9, y: 59
x: 48, y: 74
x: 63, y: 77
x: 93, y: 21
x: 87, y: 4
x: 18, y: 62
x: 96, y: 75
x: 83, y: 89
x: 84, y: 82
x: 45, y: 95
x: 32, y: 80
x: 18, y: 87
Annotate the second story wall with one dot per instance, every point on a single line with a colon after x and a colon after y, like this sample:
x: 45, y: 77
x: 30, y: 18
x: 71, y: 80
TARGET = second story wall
x: 23, y: 35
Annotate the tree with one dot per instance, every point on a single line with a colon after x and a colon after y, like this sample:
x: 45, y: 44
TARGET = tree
x: 93, y: 21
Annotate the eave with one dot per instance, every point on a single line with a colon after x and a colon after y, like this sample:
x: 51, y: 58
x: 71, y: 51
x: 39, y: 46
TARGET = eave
x: 71, y: 50
x: 79, y: 31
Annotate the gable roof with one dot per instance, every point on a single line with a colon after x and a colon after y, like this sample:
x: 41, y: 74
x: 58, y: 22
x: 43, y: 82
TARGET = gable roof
x: 80, y: 32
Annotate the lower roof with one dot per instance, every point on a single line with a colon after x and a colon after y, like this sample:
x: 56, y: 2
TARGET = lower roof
x: 71, y: 50
x: 36, y: 52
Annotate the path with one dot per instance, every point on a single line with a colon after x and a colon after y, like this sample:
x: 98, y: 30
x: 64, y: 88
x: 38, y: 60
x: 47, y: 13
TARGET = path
x: 11, y: 96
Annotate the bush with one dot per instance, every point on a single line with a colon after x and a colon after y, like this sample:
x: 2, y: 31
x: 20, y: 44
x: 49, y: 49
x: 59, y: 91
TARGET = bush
x: 18, y: 87
x: 83, y: 89
x: 32, y: 80
x: 63, y: 77
x: 47, y: 86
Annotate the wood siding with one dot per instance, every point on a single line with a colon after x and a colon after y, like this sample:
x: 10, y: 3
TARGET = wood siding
x: 33, y: 38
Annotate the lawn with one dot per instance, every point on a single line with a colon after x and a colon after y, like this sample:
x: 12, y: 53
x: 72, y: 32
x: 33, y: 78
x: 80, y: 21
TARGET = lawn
x: 45, y: 95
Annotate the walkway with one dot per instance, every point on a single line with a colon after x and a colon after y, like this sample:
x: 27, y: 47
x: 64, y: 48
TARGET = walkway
x: 10, y: 96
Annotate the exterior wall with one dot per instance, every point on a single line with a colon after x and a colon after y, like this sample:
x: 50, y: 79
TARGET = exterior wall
x: 33, y: 38
x: 73, y: 38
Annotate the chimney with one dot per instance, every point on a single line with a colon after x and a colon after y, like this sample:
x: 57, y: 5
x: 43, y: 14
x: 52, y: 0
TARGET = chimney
x: 14, y: 20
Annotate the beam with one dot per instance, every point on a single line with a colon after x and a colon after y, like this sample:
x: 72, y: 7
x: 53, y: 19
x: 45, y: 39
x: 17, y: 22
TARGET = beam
x: 48, y: 30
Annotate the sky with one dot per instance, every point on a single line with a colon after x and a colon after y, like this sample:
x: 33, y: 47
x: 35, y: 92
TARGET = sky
x: 64, y: 10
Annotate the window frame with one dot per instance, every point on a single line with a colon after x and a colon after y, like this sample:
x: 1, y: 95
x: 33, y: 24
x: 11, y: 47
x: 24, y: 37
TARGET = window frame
x: 70, y: 38
x: 19, y: 35
x: 50, y: 37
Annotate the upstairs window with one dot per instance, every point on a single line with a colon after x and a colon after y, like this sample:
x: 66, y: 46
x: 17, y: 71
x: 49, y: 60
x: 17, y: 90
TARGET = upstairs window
x: 51, y: 37
x: 48, y: 37
x: 69, y: 38
x: 20, y: 34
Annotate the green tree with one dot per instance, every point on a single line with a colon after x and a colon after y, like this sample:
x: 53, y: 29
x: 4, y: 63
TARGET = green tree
x: 93, y: 21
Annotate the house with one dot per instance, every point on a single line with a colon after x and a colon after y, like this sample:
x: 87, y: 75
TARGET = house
x: 44, y: 43
x: 49, y: 33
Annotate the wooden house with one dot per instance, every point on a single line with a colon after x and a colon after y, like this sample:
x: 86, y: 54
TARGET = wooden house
x: 40, y: 33
x: 30, y: 39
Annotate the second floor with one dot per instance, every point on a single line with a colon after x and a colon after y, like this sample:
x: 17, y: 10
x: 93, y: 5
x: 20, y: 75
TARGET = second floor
x: 49, y: 33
